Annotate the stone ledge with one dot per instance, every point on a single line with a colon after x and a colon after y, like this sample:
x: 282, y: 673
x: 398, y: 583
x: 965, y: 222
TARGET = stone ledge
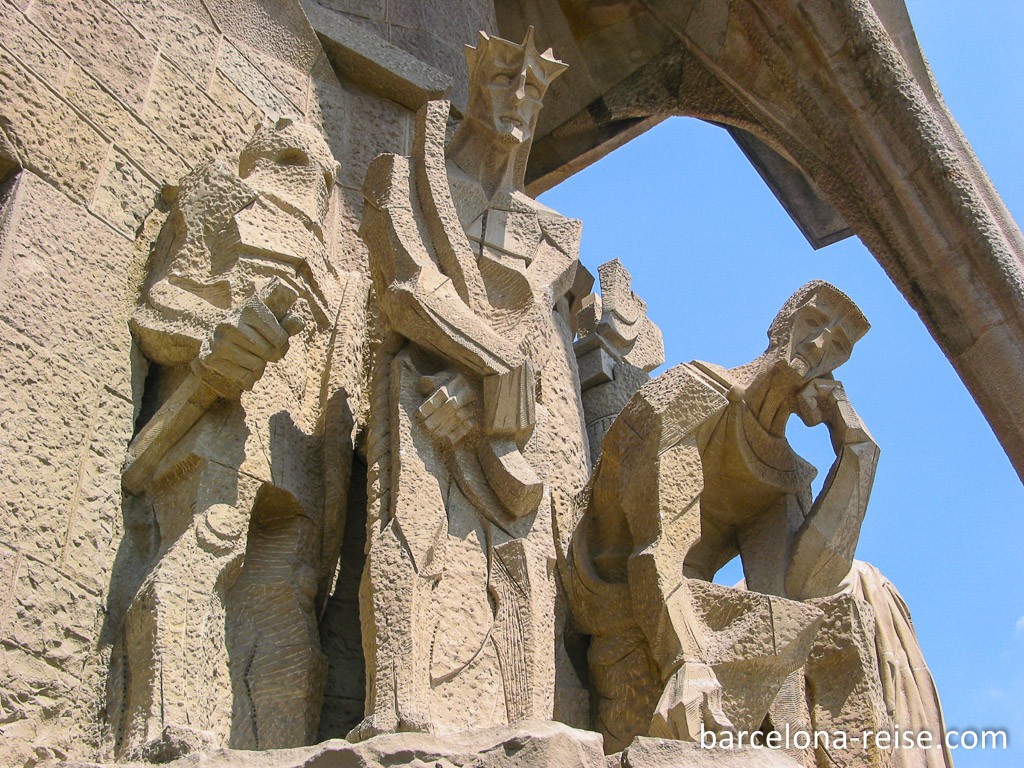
x: 524, y: 745
x: 374, y: 63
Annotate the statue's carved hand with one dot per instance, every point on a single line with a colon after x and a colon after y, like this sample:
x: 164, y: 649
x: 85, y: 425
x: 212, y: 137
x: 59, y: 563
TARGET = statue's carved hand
x: 236, y: 354
x: 449, y: 414
x: 816, y: 402
x: 824, y: 401
x: 690, y: 703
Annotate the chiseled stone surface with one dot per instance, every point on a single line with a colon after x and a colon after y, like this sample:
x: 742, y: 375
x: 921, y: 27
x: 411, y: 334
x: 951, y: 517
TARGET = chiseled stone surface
x: 617, y: 346
x: 697, y: 469
x: 462, y: 620
x: 666, y: 753
x: 102, y: 107
x: 246, y: 366
x: 879, y: 145
x: 244, y: 468
x: 524, y: 745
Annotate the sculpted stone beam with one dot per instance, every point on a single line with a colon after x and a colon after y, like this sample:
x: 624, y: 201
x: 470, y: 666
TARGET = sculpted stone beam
x: 841, y: 91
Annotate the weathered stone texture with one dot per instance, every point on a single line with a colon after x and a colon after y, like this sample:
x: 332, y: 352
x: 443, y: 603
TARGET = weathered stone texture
x: 120, y: 125
x: 839, y: 94
x: 192, y: 45
x: 62, y: 438
x: 102, y: 106
x: 525, y: 745
x: 104, y: 41
x: 64, y: 270
x: 50, y: 137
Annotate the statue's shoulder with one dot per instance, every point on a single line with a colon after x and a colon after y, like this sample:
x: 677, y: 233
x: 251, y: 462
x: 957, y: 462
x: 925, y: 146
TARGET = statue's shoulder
x: 672, y: 406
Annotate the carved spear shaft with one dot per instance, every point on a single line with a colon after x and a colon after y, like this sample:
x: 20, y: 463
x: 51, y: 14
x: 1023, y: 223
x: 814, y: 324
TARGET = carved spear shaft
x: 187, y: 404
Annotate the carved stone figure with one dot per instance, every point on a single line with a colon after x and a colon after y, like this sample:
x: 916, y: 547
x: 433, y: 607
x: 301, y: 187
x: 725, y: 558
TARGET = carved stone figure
x: 617, y: 348
x: 476, y: 419
x: 696, y: 470
x: 239, y: 471
x: 911, y: 698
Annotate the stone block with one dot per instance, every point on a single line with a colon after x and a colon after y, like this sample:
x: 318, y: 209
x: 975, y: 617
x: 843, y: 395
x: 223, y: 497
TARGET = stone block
x: 292, y: 82
x: 33, y: 48
x: 445, y: 56
x: 49, y: 671
x: 133, y: 137
x: 52, y: 617
x: 124, y: 196
x: 226, y: 95
x: 103, y: 41
x: 324, y: 90
x: 629, y: 36
x: 190, y: 45
x: 595, y: 367
x: 528, y: 743
x: 50, y: 137
x: 707, y: 26
x: 277, y: 28
x: 667, y: 753
x: 364, y: 126
x: 44, y: 422
x: 368, y: 9
x: 253, y: 83
x: 415, y: 14
x: 94, y: 525
x: 371, y: 61
x: 64, y: 283
x: 46, y: 711
x: 463, y: 20
x: 481, y: 16
x: 146, y: 16
x: 195, y: 10
x: 190, y: 121
x: 349, y: 249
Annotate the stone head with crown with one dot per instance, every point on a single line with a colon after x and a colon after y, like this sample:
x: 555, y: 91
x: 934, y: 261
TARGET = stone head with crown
x: 507, y: 83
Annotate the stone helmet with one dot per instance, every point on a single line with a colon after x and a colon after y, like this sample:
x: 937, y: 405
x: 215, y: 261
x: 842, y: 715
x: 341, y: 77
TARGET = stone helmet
x: 289, y: 161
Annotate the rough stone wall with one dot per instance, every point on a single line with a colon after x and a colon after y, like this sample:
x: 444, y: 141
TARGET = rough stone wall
x: 102, y: 104
x: 433, y: 31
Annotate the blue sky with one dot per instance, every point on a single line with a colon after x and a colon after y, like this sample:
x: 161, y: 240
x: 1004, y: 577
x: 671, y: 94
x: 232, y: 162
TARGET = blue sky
x: 714, y: 256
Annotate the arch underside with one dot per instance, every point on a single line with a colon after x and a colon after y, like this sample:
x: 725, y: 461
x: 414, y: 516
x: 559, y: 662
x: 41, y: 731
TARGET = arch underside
x: 835, y: 106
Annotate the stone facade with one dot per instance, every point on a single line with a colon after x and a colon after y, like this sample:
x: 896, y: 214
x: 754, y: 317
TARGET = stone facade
x: 273, y: 408
x: 102, y: 110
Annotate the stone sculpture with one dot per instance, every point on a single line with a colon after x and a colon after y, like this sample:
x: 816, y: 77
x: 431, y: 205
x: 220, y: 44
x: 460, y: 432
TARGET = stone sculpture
x: 238, y: 474
x: 695, y: 470
x: 476, y: 423
x: 911, y: 698
x: 195, y: 576
x: 616, y: 349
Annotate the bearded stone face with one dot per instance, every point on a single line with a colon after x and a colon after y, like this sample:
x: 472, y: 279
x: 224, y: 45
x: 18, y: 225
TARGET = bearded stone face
x: 821, y: 336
